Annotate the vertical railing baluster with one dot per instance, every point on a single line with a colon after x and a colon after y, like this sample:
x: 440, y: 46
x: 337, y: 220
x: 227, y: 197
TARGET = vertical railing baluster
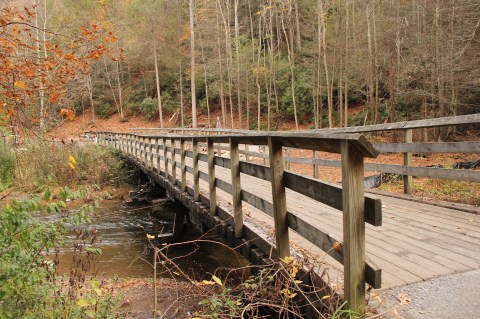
x: 236, y: 189
x: 196, y: 174
x: 165, y: 156
x: 212, y: 190
x: 183, y: 165
x: 353, y: 227
x: 157, y: 154
x: 150, y: 149
x: 174, y: 163
x: 279, y: 197
x: 407, y: 161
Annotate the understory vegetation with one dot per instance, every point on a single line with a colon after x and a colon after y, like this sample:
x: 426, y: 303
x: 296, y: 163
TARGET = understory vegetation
x: 30, y: 286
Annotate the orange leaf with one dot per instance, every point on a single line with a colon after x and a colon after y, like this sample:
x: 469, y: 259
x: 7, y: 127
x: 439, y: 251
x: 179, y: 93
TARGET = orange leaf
x: 20, y: 84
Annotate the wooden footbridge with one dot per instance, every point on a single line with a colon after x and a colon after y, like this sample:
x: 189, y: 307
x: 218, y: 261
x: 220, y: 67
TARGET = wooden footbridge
x: 373, y: 239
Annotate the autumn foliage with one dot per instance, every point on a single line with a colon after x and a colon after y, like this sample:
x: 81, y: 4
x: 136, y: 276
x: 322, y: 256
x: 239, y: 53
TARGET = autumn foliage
x: 34, y: 67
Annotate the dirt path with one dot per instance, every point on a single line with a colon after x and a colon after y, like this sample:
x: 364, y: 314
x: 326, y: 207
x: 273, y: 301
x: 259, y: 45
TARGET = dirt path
x: 453, y: 296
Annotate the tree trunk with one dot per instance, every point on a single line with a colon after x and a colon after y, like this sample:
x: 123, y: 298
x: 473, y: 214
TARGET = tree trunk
x: 192, y: 65
x: 157, y: 80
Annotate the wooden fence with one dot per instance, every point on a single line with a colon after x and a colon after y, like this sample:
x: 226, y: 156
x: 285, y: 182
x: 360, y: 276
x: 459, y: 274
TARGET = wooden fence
x: 407, y: 148
x: 150, y: 150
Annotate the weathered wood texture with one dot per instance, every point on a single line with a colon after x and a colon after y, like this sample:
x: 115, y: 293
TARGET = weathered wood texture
x: 302, y: 204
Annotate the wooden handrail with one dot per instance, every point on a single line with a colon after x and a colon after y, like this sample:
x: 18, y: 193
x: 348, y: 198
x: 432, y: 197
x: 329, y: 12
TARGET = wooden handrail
x: 350, y: 198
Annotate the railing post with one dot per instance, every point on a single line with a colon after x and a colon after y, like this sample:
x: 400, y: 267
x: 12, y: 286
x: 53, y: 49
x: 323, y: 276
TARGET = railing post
x: 279, y: 197
x: 183, y: 166
x: 174, y: 163
x: 353, y: 227
x: 150, y: 150
x: 145, y: 154
x: 211, y: 178
x: 236, y: 189
x: 407, y: 161
x: 157, y: 154
x: 315, y: 166
x: 196, y: 174
x: 165, y: 158
x: 136, y: 147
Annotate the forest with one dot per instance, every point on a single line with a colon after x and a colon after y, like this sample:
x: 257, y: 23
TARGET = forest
x: 254, y: 64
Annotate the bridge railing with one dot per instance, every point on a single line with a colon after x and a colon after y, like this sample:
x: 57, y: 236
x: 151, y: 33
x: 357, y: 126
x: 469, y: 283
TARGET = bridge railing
x: 407, y: 148
x: 150, y: 151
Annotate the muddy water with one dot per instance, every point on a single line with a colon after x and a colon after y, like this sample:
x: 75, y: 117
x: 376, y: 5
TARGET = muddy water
x: 126, y: 251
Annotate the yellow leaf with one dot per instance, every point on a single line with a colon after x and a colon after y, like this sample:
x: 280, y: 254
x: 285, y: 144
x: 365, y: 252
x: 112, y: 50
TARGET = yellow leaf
x: 205, y: 283
x: 72, y: 159
x: 71, y: 165
x: 217, y: 280
x: 325, y: 297
x: 20, y: 84
x: 150, y: 236
x: 82, y: 302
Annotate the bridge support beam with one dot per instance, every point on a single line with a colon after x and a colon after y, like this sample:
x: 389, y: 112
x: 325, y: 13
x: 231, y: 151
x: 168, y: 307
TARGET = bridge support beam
x: 236, y: 189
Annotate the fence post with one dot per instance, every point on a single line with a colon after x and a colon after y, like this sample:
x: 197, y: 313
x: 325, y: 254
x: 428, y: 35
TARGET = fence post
x: 279, y: 197
x: 174, y: 163
x: 196, y: 174
x: 236, y: 189
x: 211, y: 178
x: 165, y: 158
x: 145, y: 154
x: 150, y: 150
x: 315, y: 166
x: 183, y: 166
x: 136, y: 147
x: 157, y: 154
x: 407, y: 161
x: 353, y: 227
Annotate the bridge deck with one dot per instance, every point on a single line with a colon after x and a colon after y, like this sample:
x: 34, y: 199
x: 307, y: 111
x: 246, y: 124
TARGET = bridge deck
x: 416, y: 242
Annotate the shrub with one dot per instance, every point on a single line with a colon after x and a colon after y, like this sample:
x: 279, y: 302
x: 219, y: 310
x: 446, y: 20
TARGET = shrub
x: 149, y: 108
x: 103, y: 110
x: 93, y: 165
x: 7, y: 164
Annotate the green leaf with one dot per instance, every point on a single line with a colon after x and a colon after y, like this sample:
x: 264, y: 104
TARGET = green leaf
x: 217, y: 280
x: 83, y: 302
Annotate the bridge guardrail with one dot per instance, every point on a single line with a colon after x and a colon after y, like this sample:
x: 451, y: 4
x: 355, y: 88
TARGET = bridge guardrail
x: 357, y: 208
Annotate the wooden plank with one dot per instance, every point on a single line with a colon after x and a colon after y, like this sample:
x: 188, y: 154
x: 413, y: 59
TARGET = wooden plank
x: 436, y: 122
x: 441, y: 147
x: 223, y: 162
x: 183, y: 166
x: 236, y: 189
x: 255, y: 170
x: 407, y: 161
x: 196, y: 181
x: 279, y: 198
x: 331, y: 195
x: 212, y: 190
x: 443, y: 173
x: 353, y: 227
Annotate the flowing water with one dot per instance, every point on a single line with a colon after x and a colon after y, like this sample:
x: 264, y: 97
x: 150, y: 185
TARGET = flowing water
x: 126, y: 252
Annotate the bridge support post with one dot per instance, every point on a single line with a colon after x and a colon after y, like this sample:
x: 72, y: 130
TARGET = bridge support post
x: 279, y: 198
x: 353, y: 227
x: 196, y: 174
x: 183, y: 167
x: 407, y: 161
x: 211, y: 178
x: 174, y: 162
x: 236, y: 189
x: 157, y: 155
x: 165, y: 156
x: 145, y: 154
